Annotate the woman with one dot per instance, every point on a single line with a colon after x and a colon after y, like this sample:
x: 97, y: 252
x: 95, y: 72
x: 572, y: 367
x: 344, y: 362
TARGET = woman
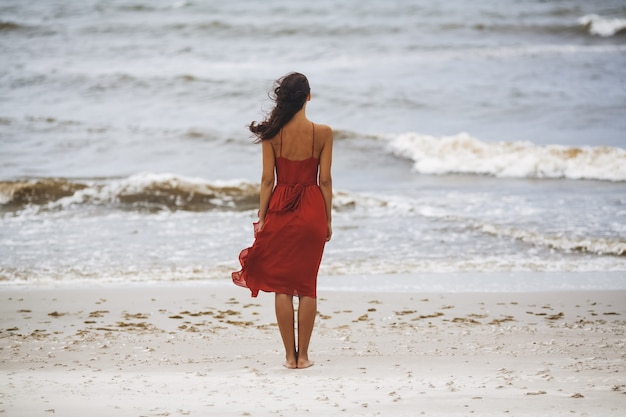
x: 294, y: 215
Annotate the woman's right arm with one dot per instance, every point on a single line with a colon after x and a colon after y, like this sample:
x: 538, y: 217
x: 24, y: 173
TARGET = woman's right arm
x: 267, y: 180
x: 325, y: 178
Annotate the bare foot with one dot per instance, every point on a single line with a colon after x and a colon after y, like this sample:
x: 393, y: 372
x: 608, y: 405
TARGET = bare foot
x: 305, y: 363
x: 291, y: 362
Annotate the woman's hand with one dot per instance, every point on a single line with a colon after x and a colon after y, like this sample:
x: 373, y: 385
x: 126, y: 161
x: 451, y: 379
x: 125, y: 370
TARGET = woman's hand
x: 329, y: 232
x: 258, y: 226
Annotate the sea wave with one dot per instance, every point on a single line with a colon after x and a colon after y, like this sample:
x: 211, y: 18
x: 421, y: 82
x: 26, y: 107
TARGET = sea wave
x: 145, y: 191
x: 148, y: 192
x: 344, y: 134
x: 463, y: 154
x: 591, y: 24
x: 594, y: 245
x: 29, y: 27
x: 563, y: 242
x: 603, y: 26
x: 139, y: 7
x: 6, y: 26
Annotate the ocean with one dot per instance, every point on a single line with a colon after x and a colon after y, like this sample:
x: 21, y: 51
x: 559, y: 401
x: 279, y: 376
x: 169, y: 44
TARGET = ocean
x: 472, y: 139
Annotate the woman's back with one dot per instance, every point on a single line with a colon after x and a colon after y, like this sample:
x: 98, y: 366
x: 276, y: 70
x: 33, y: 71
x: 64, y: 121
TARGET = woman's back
x: 300, y: 169
x: 296, y: 141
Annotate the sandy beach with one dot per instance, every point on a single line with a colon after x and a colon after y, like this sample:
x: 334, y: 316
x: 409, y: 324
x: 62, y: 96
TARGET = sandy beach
x: 214, y: 351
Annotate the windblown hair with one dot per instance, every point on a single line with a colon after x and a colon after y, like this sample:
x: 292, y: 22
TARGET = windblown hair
x: 290, y: 93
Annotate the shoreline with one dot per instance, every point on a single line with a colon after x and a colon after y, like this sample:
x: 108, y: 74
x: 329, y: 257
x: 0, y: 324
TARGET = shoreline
x: 416, y: 282
x: 213, y: 350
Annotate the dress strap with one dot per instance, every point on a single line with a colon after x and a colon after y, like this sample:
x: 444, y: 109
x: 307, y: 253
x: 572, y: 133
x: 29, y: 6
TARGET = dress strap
x: 313, y: 144
x: 280, y: 148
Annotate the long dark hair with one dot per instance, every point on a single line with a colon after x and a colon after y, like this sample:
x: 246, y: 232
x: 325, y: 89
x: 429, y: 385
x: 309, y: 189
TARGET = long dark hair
x: 290, y: 93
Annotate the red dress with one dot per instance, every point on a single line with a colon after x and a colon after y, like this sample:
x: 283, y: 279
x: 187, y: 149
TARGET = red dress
x: 286, y: 255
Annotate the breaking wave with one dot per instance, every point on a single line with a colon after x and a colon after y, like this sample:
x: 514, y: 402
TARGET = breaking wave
x: 603, y: 26
x: 463, y: 154
x: 147, y: 191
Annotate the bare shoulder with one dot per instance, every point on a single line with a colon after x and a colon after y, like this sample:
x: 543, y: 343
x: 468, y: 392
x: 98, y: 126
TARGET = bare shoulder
x: 272, y: 141
x: 324, y: 132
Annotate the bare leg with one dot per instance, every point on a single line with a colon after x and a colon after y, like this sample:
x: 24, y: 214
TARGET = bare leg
x: 307, y: 309
x: 284, y: 317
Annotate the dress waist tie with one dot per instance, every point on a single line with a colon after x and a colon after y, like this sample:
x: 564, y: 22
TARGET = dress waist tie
x: 293, y: 195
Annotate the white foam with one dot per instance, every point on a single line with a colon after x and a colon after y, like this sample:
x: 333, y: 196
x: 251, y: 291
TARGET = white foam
x: 6, y: 195
x: 112, y: 190
x: 602, y: 26
x: 464, y: 154
x: 179, y: 4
